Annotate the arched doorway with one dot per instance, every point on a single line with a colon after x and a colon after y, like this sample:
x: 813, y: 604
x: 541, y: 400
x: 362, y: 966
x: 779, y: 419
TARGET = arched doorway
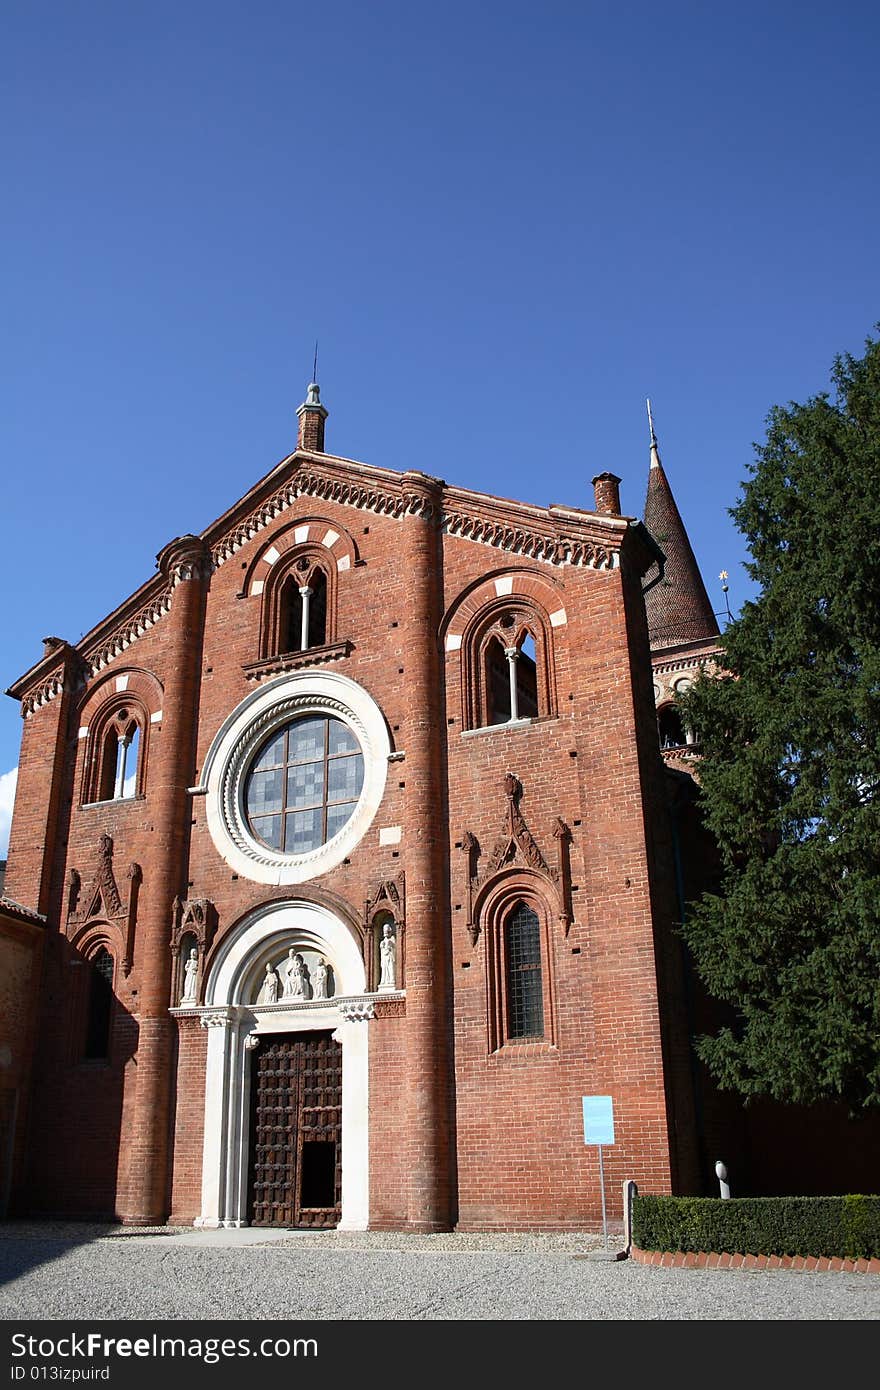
x: 286, y: 1083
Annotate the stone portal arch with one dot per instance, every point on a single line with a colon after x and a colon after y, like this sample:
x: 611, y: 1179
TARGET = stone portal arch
x: 237, y: 1019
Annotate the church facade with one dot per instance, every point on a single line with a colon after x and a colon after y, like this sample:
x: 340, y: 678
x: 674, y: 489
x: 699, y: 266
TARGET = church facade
x: 352, y: 836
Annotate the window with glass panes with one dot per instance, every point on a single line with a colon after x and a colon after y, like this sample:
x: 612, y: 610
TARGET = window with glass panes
x: 304, y: 784
x: 525, y: 993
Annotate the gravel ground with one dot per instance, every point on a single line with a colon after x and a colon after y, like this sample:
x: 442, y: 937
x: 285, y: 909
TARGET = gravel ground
x: 74, y: 1271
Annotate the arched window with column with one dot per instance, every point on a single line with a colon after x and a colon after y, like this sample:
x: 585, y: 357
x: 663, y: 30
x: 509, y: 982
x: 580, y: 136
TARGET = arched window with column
x: 509, y: 668
x: 116, y: 753
x: 298, y: 606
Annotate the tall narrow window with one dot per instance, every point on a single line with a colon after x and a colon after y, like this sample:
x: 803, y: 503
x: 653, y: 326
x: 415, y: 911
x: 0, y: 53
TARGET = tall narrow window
x: 526, y: 679
x: 499, y: 706
x: 317, y: 623
x: 525, y: 991
x: 100, y: 1005
x: 290, y: 626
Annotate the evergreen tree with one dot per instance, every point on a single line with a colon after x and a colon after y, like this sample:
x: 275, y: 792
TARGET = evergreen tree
x: 790, y: 770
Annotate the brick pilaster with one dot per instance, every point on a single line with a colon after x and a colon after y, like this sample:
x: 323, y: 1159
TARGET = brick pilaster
x: 187, y: 564
x: 429, y: 1108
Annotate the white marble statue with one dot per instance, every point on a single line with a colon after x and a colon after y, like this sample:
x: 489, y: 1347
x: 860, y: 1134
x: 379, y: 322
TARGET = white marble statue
x: 388, y: 958
x: 190, y: 978
x: 319, y: 980
x: 296, y: 981
x: 270, y: 986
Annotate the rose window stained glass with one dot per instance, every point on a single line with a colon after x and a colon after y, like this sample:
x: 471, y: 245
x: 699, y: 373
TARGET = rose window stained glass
x: 304, y: 784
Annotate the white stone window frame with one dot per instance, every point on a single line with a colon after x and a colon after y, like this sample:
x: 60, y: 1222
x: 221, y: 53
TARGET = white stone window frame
x: 228, y: 761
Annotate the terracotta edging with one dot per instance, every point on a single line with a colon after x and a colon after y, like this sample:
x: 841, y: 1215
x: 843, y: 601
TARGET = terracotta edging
x: 702, y: 1259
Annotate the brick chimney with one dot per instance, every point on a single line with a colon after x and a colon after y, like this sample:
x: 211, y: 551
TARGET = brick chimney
x: 607, y: 487
x: 311, y: 416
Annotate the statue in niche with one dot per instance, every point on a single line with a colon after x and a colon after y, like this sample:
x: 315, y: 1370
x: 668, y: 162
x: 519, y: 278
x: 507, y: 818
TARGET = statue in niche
x: 388, y: 958
x: 270, y: 987
x: 190, y: 978
x: 296, y: 981
x: 319, y: 980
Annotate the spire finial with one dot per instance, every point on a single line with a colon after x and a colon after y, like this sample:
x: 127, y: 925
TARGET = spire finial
x: 655, y: 453
x: 313, y: 394
x: 312, y: 414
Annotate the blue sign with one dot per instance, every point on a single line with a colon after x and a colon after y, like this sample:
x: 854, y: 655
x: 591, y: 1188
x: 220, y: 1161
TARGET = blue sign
x: 598, y: 1120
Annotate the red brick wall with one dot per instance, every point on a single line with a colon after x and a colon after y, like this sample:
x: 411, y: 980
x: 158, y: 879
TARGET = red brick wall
x: 388, y: 1104
x: 189, y: 1121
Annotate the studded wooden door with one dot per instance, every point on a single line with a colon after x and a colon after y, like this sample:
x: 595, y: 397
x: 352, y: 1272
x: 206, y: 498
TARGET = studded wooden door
x: 296, y: 1131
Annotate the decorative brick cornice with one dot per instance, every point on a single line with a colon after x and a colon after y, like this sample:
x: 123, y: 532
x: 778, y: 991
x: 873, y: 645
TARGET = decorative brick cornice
x: 11, y: 909
x: 518, y: 532
x: 46, y: 690
x: 556, y: 536
x: 295, y: 661
x: 533, y: 542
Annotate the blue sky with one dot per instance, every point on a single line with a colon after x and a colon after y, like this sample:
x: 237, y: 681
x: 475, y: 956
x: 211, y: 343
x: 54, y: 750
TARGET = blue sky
x: 507, y: 225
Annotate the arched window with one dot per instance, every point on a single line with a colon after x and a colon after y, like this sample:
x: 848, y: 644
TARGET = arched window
x: 508, y: 686
x: 670, y: 728
x: 99, y: 1009
x: 300, y: 603
x: 523, y: 977
x: 515, y: 923
x: 116, y: 772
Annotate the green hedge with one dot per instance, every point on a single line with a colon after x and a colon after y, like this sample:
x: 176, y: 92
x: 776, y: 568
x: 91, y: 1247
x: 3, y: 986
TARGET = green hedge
x: 845, y: 1226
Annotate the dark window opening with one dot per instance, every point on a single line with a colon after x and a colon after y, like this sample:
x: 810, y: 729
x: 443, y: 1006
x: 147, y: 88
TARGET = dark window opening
x: 525, y: 995
x: 290, y: 634
x: 100, y: 1005
x: 318, y: 1173
x: 670, y: 728
x: 527, y: 680
x: 107, y: 775
x: 497, y: 684
x: 317, y: 633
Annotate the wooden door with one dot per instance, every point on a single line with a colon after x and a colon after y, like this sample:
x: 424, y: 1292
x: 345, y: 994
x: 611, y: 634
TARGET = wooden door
x: 296, y: 1131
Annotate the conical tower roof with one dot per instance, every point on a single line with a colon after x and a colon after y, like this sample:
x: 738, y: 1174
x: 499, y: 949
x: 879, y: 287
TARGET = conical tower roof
x: 678, y: 608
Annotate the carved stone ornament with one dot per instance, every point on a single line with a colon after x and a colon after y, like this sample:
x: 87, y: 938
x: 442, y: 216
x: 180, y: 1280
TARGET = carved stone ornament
x: 389, y: 897
x: 471, y: 847
x: 357, y: 1010
x: 389, y: 1008
x: 252, y: 1042
x: 517, y: 846
x: 218, y: 1020
x: 102, y: 900
x: 515, y: 840
x: 194, y: 919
